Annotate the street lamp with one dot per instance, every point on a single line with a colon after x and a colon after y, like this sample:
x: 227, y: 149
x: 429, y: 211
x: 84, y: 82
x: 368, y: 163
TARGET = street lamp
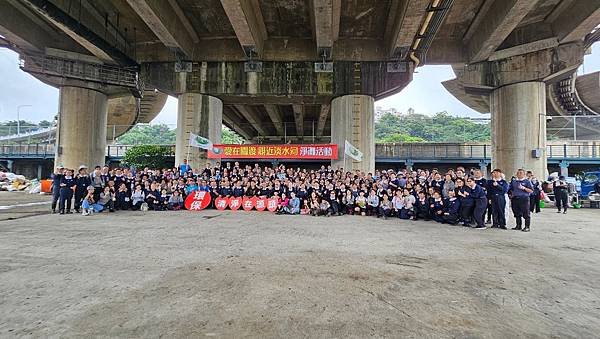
x: 19, y: 117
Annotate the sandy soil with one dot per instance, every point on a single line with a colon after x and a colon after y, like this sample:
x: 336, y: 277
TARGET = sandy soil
x: 241, y: 274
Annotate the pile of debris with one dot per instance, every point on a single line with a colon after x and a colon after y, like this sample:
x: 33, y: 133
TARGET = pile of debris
x: 13, y: 182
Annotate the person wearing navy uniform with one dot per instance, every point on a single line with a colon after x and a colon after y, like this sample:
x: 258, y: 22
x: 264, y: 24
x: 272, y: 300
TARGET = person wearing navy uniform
x: 497, y: 188
x: 534, y: 198
x: 479, y: 196
x: 467, y: 204
x: 519, y: 191
x: 451, y: 209
x: 59, y: 172
x: 561, y: 194
x: 67, y: 183
x: 82, y: 181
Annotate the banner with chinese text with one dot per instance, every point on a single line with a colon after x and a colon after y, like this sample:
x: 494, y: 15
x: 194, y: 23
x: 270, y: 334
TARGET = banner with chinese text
x: 290, y: 151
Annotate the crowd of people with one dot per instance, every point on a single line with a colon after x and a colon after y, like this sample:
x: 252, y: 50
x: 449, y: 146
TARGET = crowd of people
x: 456, y: 197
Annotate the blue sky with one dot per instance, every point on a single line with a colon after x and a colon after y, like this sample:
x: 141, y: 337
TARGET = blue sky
x: 425, y: 93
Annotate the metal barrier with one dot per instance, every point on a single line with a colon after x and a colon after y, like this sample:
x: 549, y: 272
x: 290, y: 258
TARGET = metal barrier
x: 383, y: 152
x: 432, y: 151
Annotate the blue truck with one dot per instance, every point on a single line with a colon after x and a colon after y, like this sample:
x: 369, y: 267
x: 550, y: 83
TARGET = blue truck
x: 588, y: 180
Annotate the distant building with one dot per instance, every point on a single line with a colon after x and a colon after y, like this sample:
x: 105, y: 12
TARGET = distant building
x: 380, y: 111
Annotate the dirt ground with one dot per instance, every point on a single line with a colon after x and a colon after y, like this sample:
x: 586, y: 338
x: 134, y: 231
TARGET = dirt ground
x: 252, y: 274
x: 16, y: 205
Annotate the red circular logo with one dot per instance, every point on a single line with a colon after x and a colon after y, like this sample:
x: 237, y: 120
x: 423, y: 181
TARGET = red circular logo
x: 272, y: 204
x: 261, y: 204
x: 249, y: 203
x: 221, y: 203
x: 197, y: 200
x: 235, y: 203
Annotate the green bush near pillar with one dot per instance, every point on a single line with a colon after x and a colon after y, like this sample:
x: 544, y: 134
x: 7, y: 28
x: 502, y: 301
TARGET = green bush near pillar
x: 152, y: 156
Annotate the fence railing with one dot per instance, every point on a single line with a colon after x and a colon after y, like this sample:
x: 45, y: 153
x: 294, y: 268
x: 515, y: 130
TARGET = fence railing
x: 414, y: 151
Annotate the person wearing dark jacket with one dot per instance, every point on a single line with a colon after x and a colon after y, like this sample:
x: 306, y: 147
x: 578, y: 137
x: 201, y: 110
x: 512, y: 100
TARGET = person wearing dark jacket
x: 436, y: 207
x: 467, y: 204
x: 561, y: 194
x: 67, y: 184
x: 534, y: 198
x: 422, y: 207
x: 480, y: 198
x: 451, y: 209
x: 497, y: 189
x: 59, y: 172
x: 82, y: 181
x: 519, y: 190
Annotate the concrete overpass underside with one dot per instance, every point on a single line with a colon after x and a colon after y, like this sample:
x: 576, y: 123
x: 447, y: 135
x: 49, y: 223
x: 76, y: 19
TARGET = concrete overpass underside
x: 303, y: 70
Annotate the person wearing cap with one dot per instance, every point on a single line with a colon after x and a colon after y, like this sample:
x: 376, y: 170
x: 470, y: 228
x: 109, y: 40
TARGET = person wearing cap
x: 88, y: 204
x: 82, y: 181
x: 497, y: 189
x: 56, y: 177
x: 561, y: 193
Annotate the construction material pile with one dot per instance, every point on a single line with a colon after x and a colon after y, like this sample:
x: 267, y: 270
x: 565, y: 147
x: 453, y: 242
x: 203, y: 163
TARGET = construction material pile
x: 13, y: 182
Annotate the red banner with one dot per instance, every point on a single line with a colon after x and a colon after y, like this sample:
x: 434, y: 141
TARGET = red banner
x: 295, y: 151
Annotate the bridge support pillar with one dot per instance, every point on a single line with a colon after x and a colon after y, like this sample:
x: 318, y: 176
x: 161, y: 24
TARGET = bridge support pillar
x: 81, y: 133
x: 9, y: 165
x: 352, y: 119
x: 519, y: 128
x: 201, y: 115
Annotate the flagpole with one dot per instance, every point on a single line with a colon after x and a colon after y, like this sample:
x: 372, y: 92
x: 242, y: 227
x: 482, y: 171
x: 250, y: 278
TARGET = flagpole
x: 189, y: 146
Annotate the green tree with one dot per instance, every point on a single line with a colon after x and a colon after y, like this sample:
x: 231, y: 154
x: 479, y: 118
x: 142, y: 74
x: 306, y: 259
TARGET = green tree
x: 441, y: 127
x: 400, y: 137
x: 159, y: 134
x: 230, y: 137
x: 152, y: 156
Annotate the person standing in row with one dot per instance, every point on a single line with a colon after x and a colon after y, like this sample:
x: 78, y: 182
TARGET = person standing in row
x: 82, y: 181
x: 497, y: 188
x: 480, y: 198
x: 67, y: 183
x: 561, y: 194
x: 56, y: 178
x: 534, y: 198
x: 519, y: 191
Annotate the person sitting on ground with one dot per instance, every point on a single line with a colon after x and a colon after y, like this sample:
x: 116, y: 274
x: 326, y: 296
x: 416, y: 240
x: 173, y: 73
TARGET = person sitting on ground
x: 137, y: 198
x: 324, y: 208
x: 408, y: 211
x: 385, y: 207
x: 422, y: 207
x: 107, y: 200
x: 397, y: 203
x: 437, y: 207
x: 123, y: 200
x: 282, y: 203
x: 88, y: 204
x: 315, y: 203
x: 451, y: 209
x: 361, y: 204
x: 305, y: 210
x: 175, y: 201
x: 334, y: 203
x: 372, y: 203
x: 293, y: 205
x: 348, y: 203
